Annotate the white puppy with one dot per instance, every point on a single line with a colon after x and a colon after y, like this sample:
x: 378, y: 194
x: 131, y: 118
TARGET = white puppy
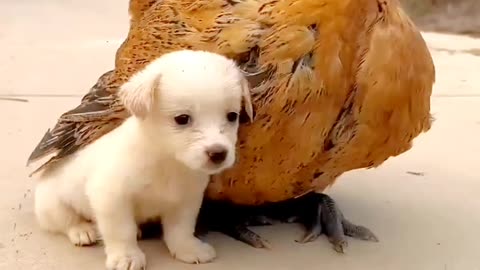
x: 185, y: 108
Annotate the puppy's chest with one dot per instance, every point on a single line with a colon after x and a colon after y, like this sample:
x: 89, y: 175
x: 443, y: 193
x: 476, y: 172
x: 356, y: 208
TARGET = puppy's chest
x: 159, y: 197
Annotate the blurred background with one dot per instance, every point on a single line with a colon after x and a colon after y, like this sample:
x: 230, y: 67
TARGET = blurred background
x: 447, y: 16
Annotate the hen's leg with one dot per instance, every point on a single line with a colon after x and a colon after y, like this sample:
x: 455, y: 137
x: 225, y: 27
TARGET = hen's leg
x: 316, y: 211
x: 232, y: 220
x: 322, y: 215
x: 241, y: 233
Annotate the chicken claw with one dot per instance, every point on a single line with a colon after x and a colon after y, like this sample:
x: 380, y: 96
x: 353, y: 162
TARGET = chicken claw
x: 322, y: 215
x: 232, y: 220
x: 318, y: 212
x: 243, y: 234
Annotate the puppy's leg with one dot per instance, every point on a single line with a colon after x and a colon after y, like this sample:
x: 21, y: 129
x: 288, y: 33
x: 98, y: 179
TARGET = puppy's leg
x: 178, y: 233
x: 116, y: 223
x: 55, y: 216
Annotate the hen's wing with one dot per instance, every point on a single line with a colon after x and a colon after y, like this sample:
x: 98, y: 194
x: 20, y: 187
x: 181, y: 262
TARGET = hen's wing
x: 98, y: 113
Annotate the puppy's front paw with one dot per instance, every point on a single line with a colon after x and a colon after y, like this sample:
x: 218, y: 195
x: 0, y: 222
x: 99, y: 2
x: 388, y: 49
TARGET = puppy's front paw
x: 83, y: 234
x: 133, y: 259
x: 194, y: 251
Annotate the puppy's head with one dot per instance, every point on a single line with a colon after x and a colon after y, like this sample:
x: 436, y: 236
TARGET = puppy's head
x: 188, y: 103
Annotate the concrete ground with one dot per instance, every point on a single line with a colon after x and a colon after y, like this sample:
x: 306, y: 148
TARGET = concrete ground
x: 424, y: 205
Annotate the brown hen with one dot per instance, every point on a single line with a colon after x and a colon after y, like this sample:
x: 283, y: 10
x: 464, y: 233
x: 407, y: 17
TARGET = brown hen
x: 339, y: 85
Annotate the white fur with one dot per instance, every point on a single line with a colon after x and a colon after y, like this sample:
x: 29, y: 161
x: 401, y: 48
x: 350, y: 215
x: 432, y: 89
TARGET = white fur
x: 149, y: 167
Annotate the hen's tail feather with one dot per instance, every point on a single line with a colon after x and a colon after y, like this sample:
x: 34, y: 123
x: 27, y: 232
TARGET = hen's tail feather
x: 39, y: 151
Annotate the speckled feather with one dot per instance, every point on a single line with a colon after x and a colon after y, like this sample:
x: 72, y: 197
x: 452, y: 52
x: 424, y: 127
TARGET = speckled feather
x: 345, y: 85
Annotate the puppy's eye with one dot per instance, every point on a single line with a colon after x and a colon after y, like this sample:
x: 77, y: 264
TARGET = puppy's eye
x: 232, y: 116
x: 183, y: 119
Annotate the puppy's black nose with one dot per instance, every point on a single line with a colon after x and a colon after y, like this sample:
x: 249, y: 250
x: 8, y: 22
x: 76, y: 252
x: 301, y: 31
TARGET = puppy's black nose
x: 216, y: 153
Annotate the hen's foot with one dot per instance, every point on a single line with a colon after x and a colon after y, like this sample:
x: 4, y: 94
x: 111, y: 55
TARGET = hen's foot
x: 245, y: 235
x: 322, y: 215
x: 232, y: 220
x: 317, y: 212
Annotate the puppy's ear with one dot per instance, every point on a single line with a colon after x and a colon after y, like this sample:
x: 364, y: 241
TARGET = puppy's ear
x: 247, y: 99
x: 137, y: 94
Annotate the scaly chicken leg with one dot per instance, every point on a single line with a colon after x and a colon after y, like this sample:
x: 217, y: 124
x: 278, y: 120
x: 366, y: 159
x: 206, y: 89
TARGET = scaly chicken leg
x: 232, y: 220
x: 323, y: 216
x: 318, y: 212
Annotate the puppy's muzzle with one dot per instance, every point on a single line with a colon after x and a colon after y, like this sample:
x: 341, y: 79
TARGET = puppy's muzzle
x: 216, y: 153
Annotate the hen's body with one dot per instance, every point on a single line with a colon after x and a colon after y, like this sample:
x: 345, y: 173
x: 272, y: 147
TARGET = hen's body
x: 345, y: 84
